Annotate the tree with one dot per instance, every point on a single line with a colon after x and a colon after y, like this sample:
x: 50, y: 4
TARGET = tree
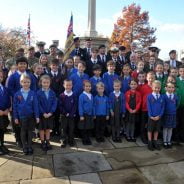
x: 11, y: 39
x: 133, y: 26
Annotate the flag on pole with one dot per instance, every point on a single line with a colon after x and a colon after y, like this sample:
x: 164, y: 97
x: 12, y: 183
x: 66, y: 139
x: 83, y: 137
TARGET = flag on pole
x: 29, y: 32
x: 69, y: 44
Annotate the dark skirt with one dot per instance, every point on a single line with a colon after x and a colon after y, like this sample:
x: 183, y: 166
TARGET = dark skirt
x: 4, y: 122
x: 28, y: 123
x: 169, y: 121
x: 154, y: 126
x: 87, y: 124
x: 46, y: 123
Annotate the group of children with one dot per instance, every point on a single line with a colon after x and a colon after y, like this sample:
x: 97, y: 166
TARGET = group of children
x: 134, y: 103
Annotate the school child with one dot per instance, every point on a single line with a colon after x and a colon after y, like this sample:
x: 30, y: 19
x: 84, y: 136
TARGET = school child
x: 14, y: 86
x: 117, y: 110
x: 159, y: 70
x: 47, y: 103
x: 150, y: 66
x: 76, y: 60
x: 173, y: 72
x: 5, y: 105
x: 169, y: 117
x: 180, y: 125
x: 68, y: 108
x: 70, y: 67
x: 78, y: 78
x: 62, y: 66
x: 145, y: 90
x: 101, y: 111
x: 140, y: 68
x: 86, y: 113
x: 166, y: 69
x: 125, y: 78
x: 156, y: 105
x: 25, y: 112
x: 45, y: 63
x: 37, y: 72
x: 133, y: 104
x: 97, y: 70
x: 109, y: 77
x: 57, y: 86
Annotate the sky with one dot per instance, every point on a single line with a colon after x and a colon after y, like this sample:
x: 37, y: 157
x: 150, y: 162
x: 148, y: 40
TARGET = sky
x: 50, y: 19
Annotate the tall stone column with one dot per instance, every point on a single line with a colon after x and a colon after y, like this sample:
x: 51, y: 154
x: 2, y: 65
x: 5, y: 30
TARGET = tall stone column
x: 91, y: 31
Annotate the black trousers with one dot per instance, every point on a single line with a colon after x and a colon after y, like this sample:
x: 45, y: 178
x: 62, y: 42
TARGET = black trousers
x: 100, y: 125
x: 144, y: 123
x: 56, y: 121
x: 1, y: 137
x: 67, y: 125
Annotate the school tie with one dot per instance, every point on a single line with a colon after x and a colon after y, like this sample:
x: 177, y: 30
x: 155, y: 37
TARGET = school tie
x: 55, y: 75
x: 88, y: 51
x: 1, y: 90
x: 170, y: 97
x: 103, y: 59
x: 156, y: 96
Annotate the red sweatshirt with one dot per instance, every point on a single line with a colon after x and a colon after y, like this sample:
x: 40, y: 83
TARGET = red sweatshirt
x: 138, y: 99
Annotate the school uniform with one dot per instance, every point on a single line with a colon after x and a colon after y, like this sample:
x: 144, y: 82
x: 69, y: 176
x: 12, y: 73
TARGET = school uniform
x: 171, y: 104
x: 155, y: 105
x: 85, y: 107
x: 36, y: 79
x: 47, y: 103
x: 71, y: 71
x: 103, y: 62
x: 77, y: 80
x: 68, y: 108
x: 149, y: 67
x: 118, y: 65
x: 133, y: 102
x: 94, y: 80
x: 117, y: 105
x: 132, y: 66
x: 101, y: 111
x: 161, y: 78
x: 25, y: 109
x: 14, y: 82
x: 125, y: 83
x: 5, y: 104
x: 144, y: 90
x: 135, y: 74
x: 108, y: 80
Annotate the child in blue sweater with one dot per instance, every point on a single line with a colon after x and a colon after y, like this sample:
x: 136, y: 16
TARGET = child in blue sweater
x: 169, y: 120
x: 101, y: 111
x: 78, y: 78
x: 86, y: 113
x: 109, y: 77
x: 117, y: 110
x: 47, y: 102
x: 156, y: 105
x: 25, y: 111
x: 5, y: 105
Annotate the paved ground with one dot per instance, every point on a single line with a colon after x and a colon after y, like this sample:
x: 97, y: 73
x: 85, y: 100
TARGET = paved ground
x: 108, y: 163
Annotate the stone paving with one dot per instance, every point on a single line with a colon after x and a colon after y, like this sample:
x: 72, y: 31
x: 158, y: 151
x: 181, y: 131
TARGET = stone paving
x: 123, y: 163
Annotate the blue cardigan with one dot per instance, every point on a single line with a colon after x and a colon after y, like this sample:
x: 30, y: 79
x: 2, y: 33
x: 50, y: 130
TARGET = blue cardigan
x: 112, y: 99
x: 25, y: 108
x: 155, y: 107
x: 5, y: 102
x: 85, y: 105
x: 46, y: 105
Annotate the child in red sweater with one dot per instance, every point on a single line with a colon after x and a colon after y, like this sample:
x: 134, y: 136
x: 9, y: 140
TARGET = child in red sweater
x: 140, y: 68
x: 133, y: 104
x: 145, y: 90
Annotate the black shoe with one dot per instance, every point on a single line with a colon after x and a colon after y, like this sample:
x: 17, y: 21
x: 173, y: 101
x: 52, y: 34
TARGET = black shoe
x: 64, y: 144
x: 19, y: 144
x: 118, y: 139
x: 25, y: 151
x: 165, y: 145
x: 30, y: 151
x: 156, y: 145
x: 169, y: 145
x: 98, y: 139
x: 72, y: 143
x: 150, y: 146
x: 1, y: 151
x: 102, y: 139
x: 5, y: 149
x: 133, y: 139
x: 128, y: 139
x: 48, y: 146
x: 43, y: 146
x: 114, y: 139
x: 88, y: 141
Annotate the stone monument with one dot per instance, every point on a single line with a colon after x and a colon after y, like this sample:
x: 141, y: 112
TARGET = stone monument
x: 91, y: 29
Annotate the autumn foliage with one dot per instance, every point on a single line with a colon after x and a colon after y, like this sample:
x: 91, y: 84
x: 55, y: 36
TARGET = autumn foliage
x: 133, y: 26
